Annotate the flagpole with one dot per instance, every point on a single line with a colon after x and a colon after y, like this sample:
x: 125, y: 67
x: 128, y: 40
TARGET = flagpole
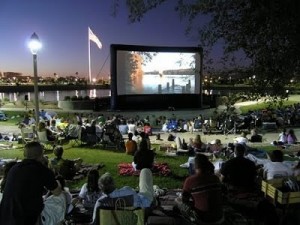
x: 89, y: 49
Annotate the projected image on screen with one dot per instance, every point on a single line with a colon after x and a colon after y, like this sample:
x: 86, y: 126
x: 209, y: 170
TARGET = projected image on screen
x: 156, y: 72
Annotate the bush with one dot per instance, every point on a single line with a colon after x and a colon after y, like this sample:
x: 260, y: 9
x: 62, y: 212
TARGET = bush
x: 67, y: 98
x: 86, y: 98
x: 80, y: 98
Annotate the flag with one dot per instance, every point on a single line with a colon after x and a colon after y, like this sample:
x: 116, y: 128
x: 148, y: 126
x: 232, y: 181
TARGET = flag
x: 94, y: 38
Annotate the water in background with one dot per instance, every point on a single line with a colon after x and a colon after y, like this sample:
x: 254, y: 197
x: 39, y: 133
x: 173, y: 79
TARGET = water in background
x: 53, y: 96
x: 151, y: 84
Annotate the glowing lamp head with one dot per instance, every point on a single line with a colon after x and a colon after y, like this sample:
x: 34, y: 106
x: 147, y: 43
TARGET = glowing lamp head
x: 34, y: 44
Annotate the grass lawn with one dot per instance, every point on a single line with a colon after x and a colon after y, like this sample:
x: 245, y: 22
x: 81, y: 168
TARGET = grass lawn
x: 111, y: 159
x: 264, y: 105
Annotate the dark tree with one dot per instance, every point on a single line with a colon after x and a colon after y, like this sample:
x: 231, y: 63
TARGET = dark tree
x: 266, y: 31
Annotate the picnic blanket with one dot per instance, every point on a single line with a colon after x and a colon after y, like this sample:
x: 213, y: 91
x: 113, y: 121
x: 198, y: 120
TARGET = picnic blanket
x: 161, y: 169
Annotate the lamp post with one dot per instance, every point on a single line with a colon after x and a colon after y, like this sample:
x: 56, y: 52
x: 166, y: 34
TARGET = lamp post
x: 34, y: 46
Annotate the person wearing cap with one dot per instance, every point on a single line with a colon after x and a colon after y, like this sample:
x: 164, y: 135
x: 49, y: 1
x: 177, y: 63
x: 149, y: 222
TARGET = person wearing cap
x: 215, y: 146
x: 22, y: 201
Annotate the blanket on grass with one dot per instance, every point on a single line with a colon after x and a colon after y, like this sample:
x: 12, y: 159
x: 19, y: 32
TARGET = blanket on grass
x: 82, y: 172
x: 161, y: 169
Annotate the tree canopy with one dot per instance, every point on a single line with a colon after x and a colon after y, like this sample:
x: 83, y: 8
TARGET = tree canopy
x: 267, y: 31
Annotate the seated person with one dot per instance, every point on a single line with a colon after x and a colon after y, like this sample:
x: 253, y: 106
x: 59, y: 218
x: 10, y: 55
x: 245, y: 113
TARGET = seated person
x: 111, y: 194
x: 202, y: 194
x: 144, y: 157
x: 241, y: 139
x: 215, y: 147
x: 91, y: 136
x: 137, y: 138
x: 255, y: 137
x: 27, y: 121
x: 32, y: 178
x: 123, y: 127
x: 147, y: 129
x: 145, y: 137
x: 42, y: 127
x: 60, y: 166
x: 90, y: 191
x: 53, y: 127
x: 131, y: 126
x: 57, y: 161
x: 282, y: 138
x: 165, y: 127
x: 291, y: 137
x: 56, y: 207
x: 130, y: 145
x: 239, y: 174
x: 276, y: 168
x: 196, y: 145
x: 72, y: 130
x: 181, y: 145
x: 100, y: 130
x: 240, y: 177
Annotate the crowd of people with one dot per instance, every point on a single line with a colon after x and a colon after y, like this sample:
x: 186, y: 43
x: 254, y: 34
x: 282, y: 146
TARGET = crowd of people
x: 203, y: 191
x: 205, y: 194
x: 34, y: 190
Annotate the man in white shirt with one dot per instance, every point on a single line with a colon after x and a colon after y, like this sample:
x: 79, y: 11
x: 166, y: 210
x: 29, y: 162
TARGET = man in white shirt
x: 243, y: 140
x: 131, y: 127
x: 276, y: 168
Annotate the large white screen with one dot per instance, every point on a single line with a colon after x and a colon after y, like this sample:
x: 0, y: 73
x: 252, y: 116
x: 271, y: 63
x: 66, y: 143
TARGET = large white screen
x: 157, y: 72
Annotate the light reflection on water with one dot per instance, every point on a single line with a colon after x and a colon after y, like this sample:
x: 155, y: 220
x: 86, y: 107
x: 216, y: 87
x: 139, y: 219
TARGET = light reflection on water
x: 53, y: 96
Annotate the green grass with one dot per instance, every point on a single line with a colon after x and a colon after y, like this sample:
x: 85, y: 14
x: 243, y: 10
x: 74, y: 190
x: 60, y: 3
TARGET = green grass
x: 263, y: 105
x: 111, y: 159
x: 17, y: 117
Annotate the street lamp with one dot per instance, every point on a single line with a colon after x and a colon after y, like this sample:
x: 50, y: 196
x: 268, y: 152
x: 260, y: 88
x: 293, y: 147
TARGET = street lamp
x: 34, y: 46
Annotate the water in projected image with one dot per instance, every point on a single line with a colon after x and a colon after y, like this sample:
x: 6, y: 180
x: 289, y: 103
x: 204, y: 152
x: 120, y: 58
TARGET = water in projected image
x: 161, y: 72
x: 168, y: 84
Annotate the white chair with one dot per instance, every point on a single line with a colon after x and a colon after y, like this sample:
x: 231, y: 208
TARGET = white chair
x: 178, y: 146
x: 78, y: 139
x: 28, y: 134
x: 42, y: 138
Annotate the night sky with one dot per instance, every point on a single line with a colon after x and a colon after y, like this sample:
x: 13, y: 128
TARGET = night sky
x: 62, y: 26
